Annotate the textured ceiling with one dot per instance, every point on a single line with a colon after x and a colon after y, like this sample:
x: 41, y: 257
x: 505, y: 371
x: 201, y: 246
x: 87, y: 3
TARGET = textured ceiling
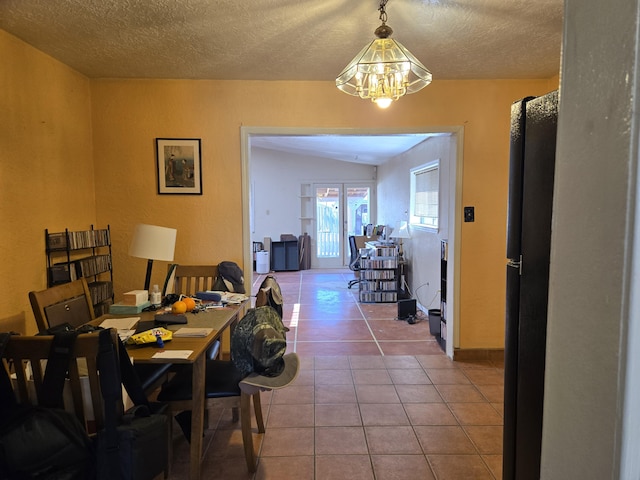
x: 291, y: 40
x: 287, y: 39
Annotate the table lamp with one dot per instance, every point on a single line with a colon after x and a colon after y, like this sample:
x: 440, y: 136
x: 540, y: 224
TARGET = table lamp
x: 153, y: 243
x: 400, y: 233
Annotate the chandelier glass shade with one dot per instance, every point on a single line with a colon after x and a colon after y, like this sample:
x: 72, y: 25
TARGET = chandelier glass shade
x: 384, y: 70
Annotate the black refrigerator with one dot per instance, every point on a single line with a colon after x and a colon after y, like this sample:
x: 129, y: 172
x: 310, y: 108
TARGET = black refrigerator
x: 531, y: 174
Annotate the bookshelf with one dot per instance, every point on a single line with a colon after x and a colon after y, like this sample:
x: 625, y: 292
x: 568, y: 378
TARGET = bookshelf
x: 85, y: 253
x: 379, y: 275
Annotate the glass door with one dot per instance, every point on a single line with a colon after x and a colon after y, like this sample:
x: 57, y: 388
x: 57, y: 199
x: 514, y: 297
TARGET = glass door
x: 328, y: 226
x: 341, y: 210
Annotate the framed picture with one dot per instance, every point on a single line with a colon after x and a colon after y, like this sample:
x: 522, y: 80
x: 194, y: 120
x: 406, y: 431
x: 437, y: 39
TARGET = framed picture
x: 179, y: 166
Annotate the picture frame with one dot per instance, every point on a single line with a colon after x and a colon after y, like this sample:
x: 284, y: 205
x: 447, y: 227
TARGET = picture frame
x: 179, y: 166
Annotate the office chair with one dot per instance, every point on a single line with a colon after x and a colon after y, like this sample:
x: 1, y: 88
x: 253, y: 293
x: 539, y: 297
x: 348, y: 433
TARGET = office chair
x: 71, y: 303
x: 354, y: 262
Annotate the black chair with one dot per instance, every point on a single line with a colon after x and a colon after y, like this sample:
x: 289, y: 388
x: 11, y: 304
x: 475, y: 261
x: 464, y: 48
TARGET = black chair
x: 354, y: 262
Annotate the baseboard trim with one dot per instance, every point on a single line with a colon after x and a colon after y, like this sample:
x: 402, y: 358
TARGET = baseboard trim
x: 474, y: 354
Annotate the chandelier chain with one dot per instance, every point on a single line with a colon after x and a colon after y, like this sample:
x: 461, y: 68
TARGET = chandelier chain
x: 383, y: 12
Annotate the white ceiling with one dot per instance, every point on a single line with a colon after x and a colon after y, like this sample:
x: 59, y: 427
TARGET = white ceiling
x: 289, y: 39
x: 367, y: 149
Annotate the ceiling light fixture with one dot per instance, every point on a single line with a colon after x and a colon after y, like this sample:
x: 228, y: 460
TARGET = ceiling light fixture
x: 384, y: 70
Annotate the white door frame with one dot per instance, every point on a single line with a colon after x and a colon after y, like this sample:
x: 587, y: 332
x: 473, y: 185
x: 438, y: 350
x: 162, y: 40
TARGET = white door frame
x: 455, y: 211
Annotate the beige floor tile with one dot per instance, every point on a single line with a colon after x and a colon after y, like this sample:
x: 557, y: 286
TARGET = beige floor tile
x: 383, y: 414
x: 332, y: 362
x: 485, y: 376
x: 486, y: 438
x: 409, y: 376
x: 447, y: 376
x: 340, y: 441
x: 475, y: 414
x: 418, y: 393
x: 371, y: 377
x: 444, y: 440
x: 435, y: 361
x: 336, y: 415
x: 353, y: 467
x: 314, y: 428
x: 305, y: 377
x: 286, y: 442
x: 285, y: 468
x: 333, y: 377
x: 291, y: 416
x: 494, y: 462
x: 366, y: 361
x: 401, y: 467
x: 429, y: 414
x: 377, y: 394
x: 395, y: 440
x: 413, y: 347
x: 401, y: 361
x: 493, y: 393
x: 458, y: 467
x: 335, y: 394
x: 460, y: 393
x: 293, y: 394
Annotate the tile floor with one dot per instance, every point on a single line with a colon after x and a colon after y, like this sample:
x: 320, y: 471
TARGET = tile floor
x: 376, y: 398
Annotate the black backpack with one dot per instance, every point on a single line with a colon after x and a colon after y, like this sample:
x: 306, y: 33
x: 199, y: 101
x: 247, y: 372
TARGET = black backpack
x: 230, y: 278
x: 43, y: 442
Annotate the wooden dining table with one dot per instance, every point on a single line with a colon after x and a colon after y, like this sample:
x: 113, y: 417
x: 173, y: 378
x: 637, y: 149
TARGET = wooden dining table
x: 222, y: 321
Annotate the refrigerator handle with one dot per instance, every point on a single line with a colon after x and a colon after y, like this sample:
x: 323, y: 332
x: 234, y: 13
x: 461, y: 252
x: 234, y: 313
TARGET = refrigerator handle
x: 516, y: 264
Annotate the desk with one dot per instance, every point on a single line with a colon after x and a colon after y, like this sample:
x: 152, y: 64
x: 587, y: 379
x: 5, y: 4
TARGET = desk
x: 222, y: 321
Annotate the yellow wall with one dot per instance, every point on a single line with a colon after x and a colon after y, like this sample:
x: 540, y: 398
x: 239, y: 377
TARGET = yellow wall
x: 46, y: 168
x: 127, y: 115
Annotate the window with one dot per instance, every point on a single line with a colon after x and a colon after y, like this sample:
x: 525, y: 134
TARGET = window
x: 425, y: 192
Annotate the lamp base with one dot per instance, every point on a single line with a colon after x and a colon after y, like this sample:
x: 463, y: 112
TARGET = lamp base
x: 147, y: 280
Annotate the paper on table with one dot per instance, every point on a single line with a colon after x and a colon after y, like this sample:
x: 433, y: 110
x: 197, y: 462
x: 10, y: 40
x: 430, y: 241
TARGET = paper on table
x: 120, y: 323
x: 173, y: 354
x: 125, y: 334
x: 192, y: 332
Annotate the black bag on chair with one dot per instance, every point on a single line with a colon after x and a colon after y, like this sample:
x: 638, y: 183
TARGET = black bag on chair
x: 138, y: 447
x: 43, y: 442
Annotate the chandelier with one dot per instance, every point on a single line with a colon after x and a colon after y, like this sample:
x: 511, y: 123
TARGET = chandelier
x: 384, y: 70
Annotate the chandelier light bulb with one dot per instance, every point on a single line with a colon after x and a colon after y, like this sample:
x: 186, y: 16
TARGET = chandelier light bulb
x: 384, y: 70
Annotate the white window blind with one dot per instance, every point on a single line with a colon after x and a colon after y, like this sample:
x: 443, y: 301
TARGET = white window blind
x: 425, y: 183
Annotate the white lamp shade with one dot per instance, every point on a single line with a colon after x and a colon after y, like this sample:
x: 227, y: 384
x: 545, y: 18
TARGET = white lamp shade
x: 153, y: 242
x: 401, y: 232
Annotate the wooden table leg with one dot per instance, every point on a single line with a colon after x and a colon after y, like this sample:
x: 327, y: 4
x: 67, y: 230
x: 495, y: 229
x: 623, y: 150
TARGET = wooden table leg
x: 197, y: 417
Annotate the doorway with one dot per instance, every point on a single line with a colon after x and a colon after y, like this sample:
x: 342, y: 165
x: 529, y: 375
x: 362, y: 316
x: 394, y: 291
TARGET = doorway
x: 341, y: 210
x: 394, y: 201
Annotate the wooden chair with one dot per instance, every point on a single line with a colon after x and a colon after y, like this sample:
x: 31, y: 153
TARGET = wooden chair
x: 71, y: 303
x: 25, y: 358
x: 65, y: 303
x: 26, y: 354
x: 189, y: 279
x: 224, y: 381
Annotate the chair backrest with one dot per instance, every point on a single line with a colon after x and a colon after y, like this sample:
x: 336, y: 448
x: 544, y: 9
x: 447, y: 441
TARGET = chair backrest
x: 26, y: 355
x: 189, y: 279
x: 354, y: 263
x: 67, y: 303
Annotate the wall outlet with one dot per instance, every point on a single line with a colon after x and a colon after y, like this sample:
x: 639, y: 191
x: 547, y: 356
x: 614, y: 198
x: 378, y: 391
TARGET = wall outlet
x: 469, y: 214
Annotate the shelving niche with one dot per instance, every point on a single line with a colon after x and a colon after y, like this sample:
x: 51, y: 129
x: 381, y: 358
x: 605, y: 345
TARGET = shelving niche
x: 86, y: 253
